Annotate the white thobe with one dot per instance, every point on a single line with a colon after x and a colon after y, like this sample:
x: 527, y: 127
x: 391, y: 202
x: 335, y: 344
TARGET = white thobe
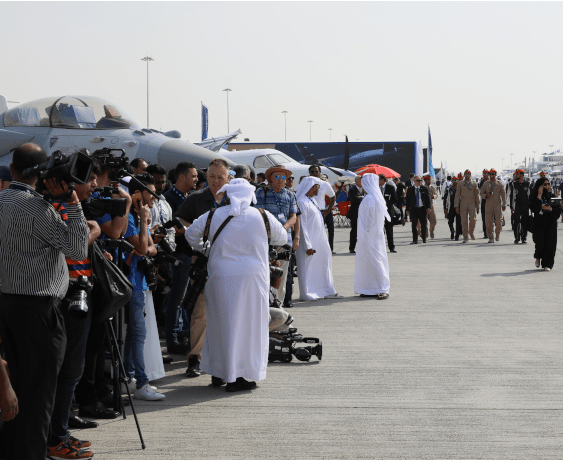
x: 154, y: 367
x: 371, y: 275
x: 237, y: 293
x: 314, y: 272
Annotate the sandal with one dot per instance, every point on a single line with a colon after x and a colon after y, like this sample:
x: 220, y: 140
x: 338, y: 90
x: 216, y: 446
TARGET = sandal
x: 382, y: 296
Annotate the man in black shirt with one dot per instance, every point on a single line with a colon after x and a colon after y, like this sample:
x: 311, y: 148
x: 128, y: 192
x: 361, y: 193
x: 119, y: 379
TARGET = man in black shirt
x: 186, y: 180
x: 355, y: 196
x: 197, y: 204
x: 390, y: 197
x: 401, y: 187
x: 520, y: 206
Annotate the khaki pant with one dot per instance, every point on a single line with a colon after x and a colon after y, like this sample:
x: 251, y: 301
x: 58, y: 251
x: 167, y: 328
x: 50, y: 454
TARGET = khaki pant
x: 467, y: 211
x: 432, y: 219
x: 493, y: 214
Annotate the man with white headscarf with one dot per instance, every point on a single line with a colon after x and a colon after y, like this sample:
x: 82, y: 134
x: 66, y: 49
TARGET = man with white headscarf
x: 237, y: 290
x: 314, y: 258
x: 371, y: 275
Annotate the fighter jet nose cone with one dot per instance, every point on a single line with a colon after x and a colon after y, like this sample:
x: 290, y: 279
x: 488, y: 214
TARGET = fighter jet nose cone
x: 175, y: 151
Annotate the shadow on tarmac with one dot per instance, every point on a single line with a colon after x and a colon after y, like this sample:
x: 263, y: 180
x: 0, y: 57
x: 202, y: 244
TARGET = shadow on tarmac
x: 525, y: 272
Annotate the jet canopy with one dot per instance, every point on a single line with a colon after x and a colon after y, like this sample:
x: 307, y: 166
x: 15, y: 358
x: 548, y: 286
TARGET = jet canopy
x: 69, y: 112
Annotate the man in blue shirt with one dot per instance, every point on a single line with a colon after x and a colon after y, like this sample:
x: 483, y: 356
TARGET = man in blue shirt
x: 283, y: 206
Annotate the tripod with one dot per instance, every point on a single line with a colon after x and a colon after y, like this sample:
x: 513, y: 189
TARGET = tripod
x: 119, y: 375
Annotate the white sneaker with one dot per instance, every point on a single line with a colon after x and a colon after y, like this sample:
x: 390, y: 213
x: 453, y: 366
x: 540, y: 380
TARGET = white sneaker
x: 132, y: 384
x: 336, y: 295
x: 146, y: 393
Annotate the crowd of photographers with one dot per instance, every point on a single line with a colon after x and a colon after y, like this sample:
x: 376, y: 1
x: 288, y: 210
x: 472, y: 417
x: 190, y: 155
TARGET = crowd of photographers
x: 74, y: 216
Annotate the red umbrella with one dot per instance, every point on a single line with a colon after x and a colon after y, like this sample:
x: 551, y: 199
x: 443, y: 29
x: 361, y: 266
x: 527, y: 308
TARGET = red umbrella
x: 377, y: 169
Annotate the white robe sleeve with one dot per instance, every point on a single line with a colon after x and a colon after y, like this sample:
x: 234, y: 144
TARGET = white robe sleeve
x: 368, y: 219
x: 305, y: 223
x: 194, y: 233
x: 278, y: 234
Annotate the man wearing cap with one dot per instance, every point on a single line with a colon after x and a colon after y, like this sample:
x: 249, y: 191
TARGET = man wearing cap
x: 450, y: 212
x: 283, y: 206
x: 418, y: 207
x: 432, y: 214
x: 466, y: 204
x: 494, y: 193
x: 484, y: 179
x: 5, y: 177
x: 520, y: 206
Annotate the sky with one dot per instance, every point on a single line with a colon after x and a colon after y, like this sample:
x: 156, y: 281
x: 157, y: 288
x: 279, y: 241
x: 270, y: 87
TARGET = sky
x: 485, y: 76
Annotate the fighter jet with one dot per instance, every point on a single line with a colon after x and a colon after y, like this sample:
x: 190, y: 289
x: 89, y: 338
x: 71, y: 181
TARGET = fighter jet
x: 70, y: 123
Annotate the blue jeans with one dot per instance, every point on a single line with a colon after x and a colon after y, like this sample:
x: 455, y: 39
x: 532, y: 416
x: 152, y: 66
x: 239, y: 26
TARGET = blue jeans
x: 71, y: 371
x: 177, y: 321
x: 133, y: 355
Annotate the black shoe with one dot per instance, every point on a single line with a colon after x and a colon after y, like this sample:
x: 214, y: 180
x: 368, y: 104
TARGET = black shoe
x: 178, y: 348
x: 193, y: 367
x: 217, y: 381
x: 414, y: 242
x: 167, y: 360
x: 98, y: 411
x: 516, y: 241
x: 524, y: 241
x: 457, y: 238
x: 352, y: 251
x: 424, y: 241
x: 392, y: 250
x: 240, y: 385
x: 288, y: 305
x: 80, y: 424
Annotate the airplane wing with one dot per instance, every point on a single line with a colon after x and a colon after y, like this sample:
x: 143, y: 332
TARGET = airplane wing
x: 216, y: 143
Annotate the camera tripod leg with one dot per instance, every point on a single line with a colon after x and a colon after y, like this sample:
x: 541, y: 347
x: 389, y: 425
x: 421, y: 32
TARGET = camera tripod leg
x: 116, y: 359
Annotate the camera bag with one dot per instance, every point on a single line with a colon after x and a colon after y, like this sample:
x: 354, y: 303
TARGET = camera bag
x: 112, y: 290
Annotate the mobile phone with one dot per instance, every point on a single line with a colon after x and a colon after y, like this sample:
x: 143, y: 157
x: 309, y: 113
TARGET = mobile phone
x: 137, y: 199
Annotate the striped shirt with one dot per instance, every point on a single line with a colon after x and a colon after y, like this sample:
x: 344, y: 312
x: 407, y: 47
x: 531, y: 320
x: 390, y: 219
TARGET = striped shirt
x: 34, y: 241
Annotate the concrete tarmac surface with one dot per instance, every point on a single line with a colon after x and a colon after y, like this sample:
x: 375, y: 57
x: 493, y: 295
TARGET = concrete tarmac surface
x: 463, y: 361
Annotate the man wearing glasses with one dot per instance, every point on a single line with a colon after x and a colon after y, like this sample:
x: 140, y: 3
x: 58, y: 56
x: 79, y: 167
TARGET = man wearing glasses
x: 281, y: 203
x: 418, y: 207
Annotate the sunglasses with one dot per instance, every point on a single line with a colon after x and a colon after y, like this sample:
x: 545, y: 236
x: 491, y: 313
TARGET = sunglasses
x: 277, y: 176
x: 290, y: 178
x: 418, y: 180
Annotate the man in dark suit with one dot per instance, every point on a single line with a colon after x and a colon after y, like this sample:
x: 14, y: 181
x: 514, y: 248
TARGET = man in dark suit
x: 418, y: 207
x: 390, y: 197
x: 355, y: 196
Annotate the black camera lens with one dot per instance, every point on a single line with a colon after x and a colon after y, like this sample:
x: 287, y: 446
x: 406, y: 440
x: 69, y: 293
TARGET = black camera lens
x: 78, y: 305
x: 165, y: 245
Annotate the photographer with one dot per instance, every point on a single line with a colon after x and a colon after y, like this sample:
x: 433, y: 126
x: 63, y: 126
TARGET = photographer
x: 34, y: 239
x: 61, y: 444
x: 237, y: 291
x: 196, y: 204
x: 177, y: 320
x: 281, y: 203
x: 139, y: 236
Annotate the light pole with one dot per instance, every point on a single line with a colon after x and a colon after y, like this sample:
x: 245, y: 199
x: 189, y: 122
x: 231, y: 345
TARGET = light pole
x: 285, y: 123
x: 310, y: 121
x: 551, y: 147
x: 147, y: 58
x: 227, y: 91
x: 330, y: 134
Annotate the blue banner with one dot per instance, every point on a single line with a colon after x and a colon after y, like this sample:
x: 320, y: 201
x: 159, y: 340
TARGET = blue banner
x: 430, y: 166
x: 204, y: 122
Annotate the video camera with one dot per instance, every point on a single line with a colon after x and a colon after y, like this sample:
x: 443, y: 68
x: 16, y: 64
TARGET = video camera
x: 277, y: 255
x: 73, y: 169
x: 98, y: 207
x: 77, y: 297
x: 283, y: 347
x: 116, y: 164
x: 148, y: 266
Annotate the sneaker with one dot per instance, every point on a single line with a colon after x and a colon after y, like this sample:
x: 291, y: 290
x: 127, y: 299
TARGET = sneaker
x: 491, y: 240
x: 497, y: 238
x: 547, y: 269
x: 78, y: 443
x: 66, y: 450
x: 464, y: 241
x: 193, y: 367
x: 146, y: 393
x: 524, y: 241
x: 132, y: 384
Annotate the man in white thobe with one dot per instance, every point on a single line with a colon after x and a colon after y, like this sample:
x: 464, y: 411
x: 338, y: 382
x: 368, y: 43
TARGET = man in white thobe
x: 237, y: 290
x: 314, y: 258
x: 371, y: 275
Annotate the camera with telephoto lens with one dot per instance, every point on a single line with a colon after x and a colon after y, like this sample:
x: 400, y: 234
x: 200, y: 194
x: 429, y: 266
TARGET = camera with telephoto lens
x: 100, y: 206
x: 283, y: 347
x: 148, y: 266
x: 198, y: 274
x: 72, y: 169
x: 77, y: 297
x: 165, y: 245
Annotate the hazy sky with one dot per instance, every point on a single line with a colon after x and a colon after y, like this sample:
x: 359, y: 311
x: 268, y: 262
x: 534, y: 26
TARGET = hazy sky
x: 485, y: 76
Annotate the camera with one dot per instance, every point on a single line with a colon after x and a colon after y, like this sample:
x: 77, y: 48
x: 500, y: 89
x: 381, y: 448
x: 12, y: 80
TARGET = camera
x: 73, y: 169
x: 98, y: 207
x: 277, y: 255
x: 148, y: 266
x: 198, y: 273
x: 113, y: 160
x: 283, y: 347
x: 77, y: 297
x: 165, y: 245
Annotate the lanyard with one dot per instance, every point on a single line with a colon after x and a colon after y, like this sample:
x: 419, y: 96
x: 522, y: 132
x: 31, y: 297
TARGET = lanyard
x: 177, y: 192
x: 215, y: 205
x: 316, y: 205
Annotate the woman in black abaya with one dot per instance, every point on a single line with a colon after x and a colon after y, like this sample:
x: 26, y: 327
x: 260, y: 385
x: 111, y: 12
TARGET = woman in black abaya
x: 545, y: 224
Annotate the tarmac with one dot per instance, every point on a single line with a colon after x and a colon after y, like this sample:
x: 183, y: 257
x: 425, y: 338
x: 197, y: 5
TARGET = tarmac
x: 463, y: 361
